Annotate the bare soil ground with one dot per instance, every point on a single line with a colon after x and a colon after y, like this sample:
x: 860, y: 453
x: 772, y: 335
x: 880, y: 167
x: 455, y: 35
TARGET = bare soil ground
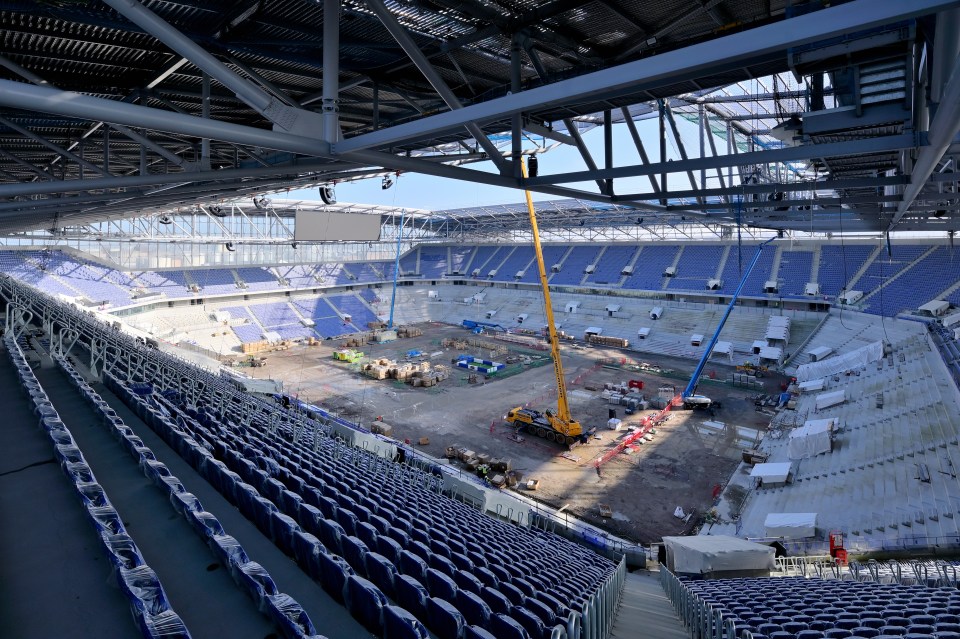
x: 680, y: 467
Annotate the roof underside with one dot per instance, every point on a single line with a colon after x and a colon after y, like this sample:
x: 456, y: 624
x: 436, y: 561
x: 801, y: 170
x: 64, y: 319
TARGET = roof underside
x: 60, y: 165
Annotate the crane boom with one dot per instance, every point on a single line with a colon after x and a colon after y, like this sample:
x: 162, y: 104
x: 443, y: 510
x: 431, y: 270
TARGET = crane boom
x: 563, y: 409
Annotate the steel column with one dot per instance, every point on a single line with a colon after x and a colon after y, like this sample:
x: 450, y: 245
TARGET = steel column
x: 331, y: 71
x: 638, y: 142
x: 50, y: 145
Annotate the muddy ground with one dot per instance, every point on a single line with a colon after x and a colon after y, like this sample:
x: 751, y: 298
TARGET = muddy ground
x: 680, y: 467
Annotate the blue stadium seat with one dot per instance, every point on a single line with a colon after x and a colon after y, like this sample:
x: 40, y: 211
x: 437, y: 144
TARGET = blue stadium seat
x: 474, y: 632
x: 400, y: 624
x: 365, y: 602
x: 475, y: 610
x: 166, y: 625
x: 504, y: 627
x: 497, y: 601
x: 444, y: 619
x: 206, y: 525
x: 289, y: 616
x: 330, y: 534
x: 441, y: 585
x: 355, y: 552
x: 122, y: 551
x: 467, y: 581
x: 514, y: 594
x: 257, y: 582
x: 389, y: 548
x: 534, y: 625
x: 334, y: 571
x: 367, y: 534
x: 411, y: 564
x: 282, y: 529
x: 412, y: 595
x: 486, y: 576
x: 143, y: 590
x: 305, y: 549
x: 382, y: 572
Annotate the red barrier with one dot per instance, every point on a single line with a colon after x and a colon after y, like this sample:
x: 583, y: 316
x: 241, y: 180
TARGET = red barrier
x: 645, y: 425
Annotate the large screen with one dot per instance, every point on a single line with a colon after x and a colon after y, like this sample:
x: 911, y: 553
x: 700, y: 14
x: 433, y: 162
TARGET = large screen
x: 323, y: 226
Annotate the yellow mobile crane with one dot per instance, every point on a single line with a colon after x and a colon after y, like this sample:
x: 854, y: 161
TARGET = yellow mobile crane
x: 560, y: 426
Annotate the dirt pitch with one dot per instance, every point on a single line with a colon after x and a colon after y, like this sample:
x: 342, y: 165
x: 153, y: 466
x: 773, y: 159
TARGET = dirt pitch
x: 680, y: 467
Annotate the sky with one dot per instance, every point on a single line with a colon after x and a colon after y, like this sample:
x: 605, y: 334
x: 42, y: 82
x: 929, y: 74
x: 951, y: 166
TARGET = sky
x: 437, y: 194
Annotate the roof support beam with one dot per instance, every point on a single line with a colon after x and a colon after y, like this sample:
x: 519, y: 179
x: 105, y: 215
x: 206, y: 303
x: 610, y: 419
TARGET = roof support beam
x: 433, y: 77
x: 638, y: 142
x: 53, y: 147
x: 787, y: 154
x: 584, y: 151
x: 695, y: 61
x: 943, y: 129
x: 680, y: 145
x: 285, y: 117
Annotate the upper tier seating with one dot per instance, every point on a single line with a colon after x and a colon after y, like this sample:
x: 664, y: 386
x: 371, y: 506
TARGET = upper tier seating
x: 838, y: 264
x: 610, y: 265
x: 794, y: 274
x: 697, y: 265
x: 215, y: 281
x: 572, y: 271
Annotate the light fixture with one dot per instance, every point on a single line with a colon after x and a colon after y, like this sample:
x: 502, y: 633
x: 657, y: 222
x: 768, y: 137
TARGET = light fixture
x: 534, y: 166
x: 229, y: 246
x: 327, y: 194
x: 387, y: 182
x: 217, y: 211
x: 165, y: 219
x: 262, y: 203
x: 293, y: 245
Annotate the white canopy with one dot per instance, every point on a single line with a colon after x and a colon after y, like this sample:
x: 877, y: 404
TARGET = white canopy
x: 778, y: 320
x: 656, y: 312
x: 812, y: 385
x: 772, y: 472
x: 819, y: 353
x: 810, y: 439
x: 643, y: 332
x: 826, y: 400
x: 723, y: 348
x: 950, y: 320
x: 272, y: 336
x: 778, y: 332
x: 221, y: 316
x: 696, y: 339
x: 791, y: 525
x: 935, y: 307
x: 841, y: 363
x: 593, y: 330
x: 771, y: 353
x: 613, y: 308
x: 758, y: 344
x: 716, y: 553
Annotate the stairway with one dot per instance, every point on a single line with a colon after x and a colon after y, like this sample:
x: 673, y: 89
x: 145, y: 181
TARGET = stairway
x: 644, y: 605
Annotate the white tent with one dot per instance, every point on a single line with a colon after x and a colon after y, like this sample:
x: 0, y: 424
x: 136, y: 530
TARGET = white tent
x: 723, y: 348
x: 593, y: 330
x: 811, y: 439
x: 826, y: 400
x: 841, y: 363
x: 771, y: 354
x: 221, y: 316
x: 757, y: 345
x: 272, y: 336
x: 935, y: 307
x: 656, y: 312
x: 642, y: 333
x: 772, y: 472
x: 812, y: 385
x: 704, y: 554
x: 819, y: 353
x: 696, y: 339
x: 791, y: 525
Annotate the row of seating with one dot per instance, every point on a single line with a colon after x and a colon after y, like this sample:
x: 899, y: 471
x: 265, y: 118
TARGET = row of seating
x: 364, y: 601
x: 356, y: 527
x: 282, y: 609
x: 361, y: 530
x: 805, y: 608
x: 138, y: 582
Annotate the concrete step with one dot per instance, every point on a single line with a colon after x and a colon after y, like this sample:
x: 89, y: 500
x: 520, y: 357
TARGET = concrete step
x: 645, y: 610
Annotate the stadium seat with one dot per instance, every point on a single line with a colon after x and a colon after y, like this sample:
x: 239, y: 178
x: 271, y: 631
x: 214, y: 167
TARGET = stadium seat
x: 497, y: 601
x: 257, y: 583
x: 411, y: 564
x: 411, y: 595
x: 475, y: 610
x: 365, y: 602
x: 334, y: 571
x: 355, y: 552
x: 444, y: 619
x: 382, y: 572
x: 305, y: 549
x: 504, y: 627
x: 400, y: 624
x: 441, y: 585
x: 289, y: 616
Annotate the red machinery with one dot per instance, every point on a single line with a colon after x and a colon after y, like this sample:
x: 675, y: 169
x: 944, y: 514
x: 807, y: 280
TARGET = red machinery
x: 635, y: 383
x: 837, y: 551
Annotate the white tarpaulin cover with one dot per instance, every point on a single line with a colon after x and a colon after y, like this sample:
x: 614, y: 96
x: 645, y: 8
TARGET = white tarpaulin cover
x: 819, y: 353
x: 812, y: 385
x: 773, y: 472
x: 791, y: 525
x: 826, y: 400
x: 723, y: 348
x: 716, y: 553
x: 771, y: 353
x: 780, y: 333
x: 643, y: 332
x: 936, y: 307
x: 841, y: 363
x: 810, y: 439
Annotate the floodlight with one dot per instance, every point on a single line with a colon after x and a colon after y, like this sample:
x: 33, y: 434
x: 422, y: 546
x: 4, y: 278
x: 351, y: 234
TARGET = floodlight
x: 327, y: 194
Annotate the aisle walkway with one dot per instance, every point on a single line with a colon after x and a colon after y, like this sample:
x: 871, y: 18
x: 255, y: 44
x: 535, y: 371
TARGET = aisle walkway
x: 645, y: 611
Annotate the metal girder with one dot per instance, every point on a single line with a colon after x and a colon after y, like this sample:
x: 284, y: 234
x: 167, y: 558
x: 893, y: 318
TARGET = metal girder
x: 433, y: 77
x: 942, y: 131
x: 638, y: 142
x: 807, y: 185
x: 583, y: 149
x: 699, y: 60
x: 287, y: 118
x: 680, y: 145
x: 50, y: 145
x: 788, y: 154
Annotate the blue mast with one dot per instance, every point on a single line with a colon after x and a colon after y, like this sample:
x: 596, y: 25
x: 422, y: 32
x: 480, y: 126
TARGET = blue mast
x: 692, y: 386
x: 396, y: 268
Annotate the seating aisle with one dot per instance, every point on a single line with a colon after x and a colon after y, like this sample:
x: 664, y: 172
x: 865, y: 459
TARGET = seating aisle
x: 199, y: 588
x: 55, y: 579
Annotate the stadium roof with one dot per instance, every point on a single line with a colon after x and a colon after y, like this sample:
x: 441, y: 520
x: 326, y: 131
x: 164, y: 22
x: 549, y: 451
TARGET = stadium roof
x: 114, y: 108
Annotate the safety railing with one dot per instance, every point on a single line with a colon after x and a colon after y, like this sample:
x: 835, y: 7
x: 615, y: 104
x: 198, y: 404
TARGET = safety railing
x: 701, y: 619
